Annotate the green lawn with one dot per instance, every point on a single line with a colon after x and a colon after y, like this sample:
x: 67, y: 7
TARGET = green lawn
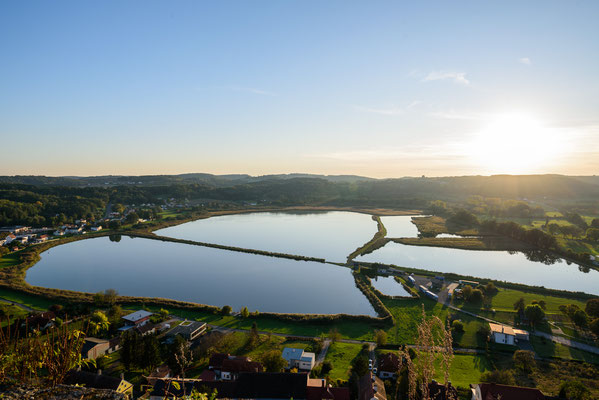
x: 38, y: 303
x: 465, y: 369
x: 408, y: 314
x: 547, y: 349
x: 554, y: 214
x: 505, y: 298
x: 8, y: 260
x: 340, y: 356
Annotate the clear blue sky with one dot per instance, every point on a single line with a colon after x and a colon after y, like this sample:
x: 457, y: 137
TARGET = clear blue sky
x: 373, y: 88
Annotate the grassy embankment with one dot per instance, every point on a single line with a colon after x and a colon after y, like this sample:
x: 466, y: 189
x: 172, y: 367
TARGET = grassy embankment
x: 377, y: 241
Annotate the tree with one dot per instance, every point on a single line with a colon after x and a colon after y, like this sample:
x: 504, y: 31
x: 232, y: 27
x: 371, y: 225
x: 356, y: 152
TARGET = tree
x: 457, y: 326
x: 179, y: 356
x: 150, y: 356
x: 245, y: 312
x: 502, y: 377
x: 114, y: 225
x: 380, y: 337
x: 593, y: 234
x: 592, y: 307
x: 580, y: 319
x: 130, y: 349
x: 132, y: 218
x: 359, y: 365
x: 163, y: 314
x: 520, y: 305
x: 226, y: 310
x: 524, y: 360
x: 253, y: 338
x: 594, y: 326
x: 574, y: 390
x: 534, y: 313
x: 98, y: 322
x: 334, y: 335
x: 476, y: 296
x: 467, y: 292
x: 595, y: 223
x: 110, y: 296
x: 490, y: 288
x: 273, y: 361
x: 326, y: 368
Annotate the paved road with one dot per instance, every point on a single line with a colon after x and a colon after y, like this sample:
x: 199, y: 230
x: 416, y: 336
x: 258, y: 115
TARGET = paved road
x: 323, y: 352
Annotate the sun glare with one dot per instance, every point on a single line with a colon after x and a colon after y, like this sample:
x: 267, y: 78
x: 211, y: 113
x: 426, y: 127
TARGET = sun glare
x: 515, y: 144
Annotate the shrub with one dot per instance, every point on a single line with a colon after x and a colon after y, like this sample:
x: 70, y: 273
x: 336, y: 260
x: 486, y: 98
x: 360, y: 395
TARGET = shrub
x: 457, y: 326
x: 502, y: 377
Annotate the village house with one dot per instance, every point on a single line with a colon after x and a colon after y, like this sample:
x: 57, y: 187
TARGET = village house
x: 189, y: 330
x: 502, y: 334
x: 262, y: 385
x: 41, y: 239
x: 370, y: 387
x: 137, y: 318
x: 492, y: 391
x: 99, y: 381
x: 227, y: 367
x: 96, y: 228
x: 389, y: 365
x: 40, y: 321
x: 58, y: 232
x: 73, y: 230
x: 94, y: 348
x: 298, y: 358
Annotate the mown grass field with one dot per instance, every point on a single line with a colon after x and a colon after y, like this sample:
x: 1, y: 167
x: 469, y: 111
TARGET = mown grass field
x: 38, y: 303
x: 548, y: 349
x: 340, y: 356
x: 9, y: 260
x: 465, y: 369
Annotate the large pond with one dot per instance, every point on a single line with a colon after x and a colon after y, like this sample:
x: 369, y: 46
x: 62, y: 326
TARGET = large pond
x: 330, y: 235
x: 498, y: 265
x: 152, y: 268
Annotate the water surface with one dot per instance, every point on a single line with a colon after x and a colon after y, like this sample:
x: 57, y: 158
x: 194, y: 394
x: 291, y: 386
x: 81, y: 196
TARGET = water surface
x: 389, y: 286
x: 498, y: 265
x: 152, y: 268
x: 329, y: 235
x: 400, y: 226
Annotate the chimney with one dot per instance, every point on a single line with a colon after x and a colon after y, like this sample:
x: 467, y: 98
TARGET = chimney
x: 122, y: 376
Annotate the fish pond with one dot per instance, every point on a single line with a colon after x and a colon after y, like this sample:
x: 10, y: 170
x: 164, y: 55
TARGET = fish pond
x: 153, y: 268
x: 499, y: 265
x: 330, y: 235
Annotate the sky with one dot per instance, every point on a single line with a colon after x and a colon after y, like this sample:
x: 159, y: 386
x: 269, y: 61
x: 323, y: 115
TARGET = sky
x: 373, y: 88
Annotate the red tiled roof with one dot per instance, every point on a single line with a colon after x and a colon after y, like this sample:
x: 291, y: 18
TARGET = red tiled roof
x: 207, y: 375
x: 492, y: 391
x: 389, y: 362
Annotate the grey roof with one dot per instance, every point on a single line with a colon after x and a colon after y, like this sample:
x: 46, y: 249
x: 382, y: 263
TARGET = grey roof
x: 137, y: 315
x: 186, y: 328
x: 292, y: 354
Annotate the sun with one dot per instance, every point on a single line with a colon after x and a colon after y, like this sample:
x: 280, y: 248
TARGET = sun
x: 514, y: 144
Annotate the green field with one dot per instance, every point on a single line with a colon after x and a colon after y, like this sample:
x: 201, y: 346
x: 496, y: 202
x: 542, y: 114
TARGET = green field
x: 9, y: 260
x: 408, y: 314
x: 548, y: 349
x: 465, y: 369
x: 348, y: 330
x: 341, y: 355
x: 38, y: 303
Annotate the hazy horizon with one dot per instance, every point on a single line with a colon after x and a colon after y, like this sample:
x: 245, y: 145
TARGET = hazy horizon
x: 382, y: 90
